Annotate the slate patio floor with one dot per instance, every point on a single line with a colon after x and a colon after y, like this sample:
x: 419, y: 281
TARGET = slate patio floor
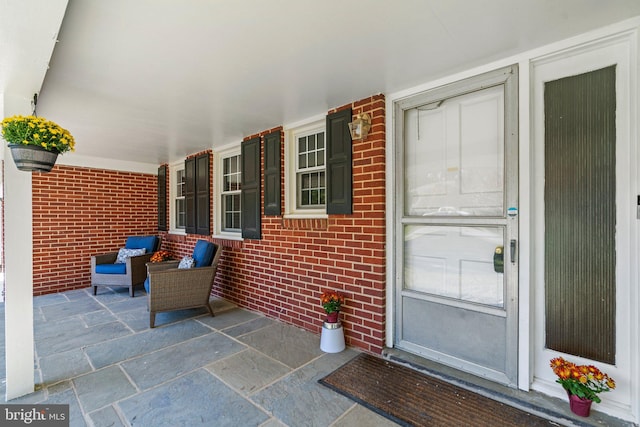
x: 98, y: 355
x: 239, y: 368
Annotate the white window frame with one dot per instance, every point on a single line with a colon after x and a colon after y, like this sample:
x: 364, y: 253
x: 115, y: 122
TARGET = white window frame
x: 173, y: 194
x: 292, y: 132
x: 220, y: 156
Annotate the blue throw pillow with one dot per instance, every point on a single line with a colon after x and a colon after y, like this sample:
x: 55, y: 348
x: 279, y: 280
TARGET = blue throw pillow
x: 203, y: 253
x: 124, y: 253
x: 137, y: 242
x: 186, y: 262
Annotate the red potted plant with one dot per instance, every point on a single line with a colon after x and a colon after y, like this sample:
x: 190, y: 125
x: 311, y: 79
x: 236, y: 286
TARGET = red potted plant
x: 331, y: 302
x: 582, y: 383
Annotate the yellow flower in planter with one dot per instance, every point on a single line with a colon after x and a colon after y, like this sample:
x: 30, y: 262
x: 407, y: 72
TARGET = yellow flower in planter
x: 38, y: 131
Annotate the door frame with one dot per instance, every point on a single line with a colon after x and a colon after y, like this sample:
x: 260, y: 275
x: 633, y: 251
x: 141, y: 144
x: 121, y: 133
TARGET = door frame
x: 506, y: 76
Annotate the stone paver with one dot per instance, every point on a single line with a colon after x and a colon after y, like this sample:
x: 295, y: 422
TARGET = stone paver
x: 72, y: 338
x: 62, y: 366
x: 109, y: 352
x: 248, y: 371
x: 197, y: 399
x: 93, y: 395
x: 299, y: 400
x: 289, y: 345
x: 163, y: 365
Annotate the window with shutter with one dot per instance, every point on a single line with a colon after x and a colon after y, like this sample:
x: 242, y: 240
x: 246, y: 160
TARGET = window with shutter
x: 305, y: 180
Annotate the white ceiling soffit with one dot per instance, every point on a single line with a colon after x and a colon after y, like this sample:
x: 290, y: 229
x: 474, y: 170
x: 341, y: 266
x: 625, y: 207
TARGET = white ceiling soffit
x: 28, y: 33
x: 154, y: 80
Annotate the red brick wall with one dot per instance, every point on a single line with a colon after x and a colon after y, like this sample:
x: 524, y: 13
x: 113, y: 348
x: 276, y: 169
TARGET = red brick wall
x: 284, y: 273
x: 79, y: 212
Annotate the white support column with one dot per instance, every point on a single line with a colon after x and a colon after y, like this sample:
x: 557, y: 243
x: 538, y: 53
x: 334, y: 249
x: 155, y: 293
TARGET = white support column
x: 18, y: 252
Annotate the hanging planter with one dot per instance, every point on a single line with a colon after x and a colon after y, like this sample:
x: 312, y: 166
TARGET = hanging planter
x: 35, y: 142
x: 32, y: 158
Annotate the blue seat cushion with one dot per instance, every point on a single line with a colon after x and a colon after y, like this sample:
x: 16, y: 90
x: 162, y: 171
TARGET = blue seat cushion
x: 111, y: 268
x: 147, y: 283
x: 138, y: 242
x: 203, y: 253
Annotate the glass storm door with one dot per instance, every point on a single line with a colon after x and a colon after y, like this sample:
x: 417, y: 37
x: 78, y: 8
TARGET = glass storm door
x: 456, y: 233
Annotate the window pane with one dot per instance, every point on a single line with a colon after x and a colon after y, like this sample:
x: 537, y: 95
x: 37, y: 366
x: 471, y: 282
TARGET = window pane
x: 231, y: 212
x: 310, y: 178
x: 180, y: 183
x: 180, y: 213
x: 454, y: 262
x: 312, y: 189
x: 230, y: 198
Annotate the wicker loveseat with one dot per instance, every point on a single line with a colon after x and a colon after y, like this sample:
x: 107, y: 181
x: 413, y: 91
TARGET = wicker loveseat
x: 171, y: 288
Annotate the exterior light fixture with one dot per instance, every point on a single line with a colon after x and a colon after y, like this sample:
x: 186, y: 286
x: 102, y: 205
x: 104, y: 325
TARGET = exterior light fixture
x: 359, y: 128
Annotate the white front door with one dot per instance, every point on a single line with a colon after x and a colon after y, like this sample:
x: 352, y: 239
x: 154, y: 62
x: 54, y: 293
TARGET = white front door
x: 457, y: 229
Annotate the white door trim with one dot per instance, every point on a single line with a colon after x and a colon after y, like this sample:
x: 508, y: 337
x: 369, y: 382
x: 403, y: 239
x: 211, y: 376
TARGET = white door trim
x: 618, y: 50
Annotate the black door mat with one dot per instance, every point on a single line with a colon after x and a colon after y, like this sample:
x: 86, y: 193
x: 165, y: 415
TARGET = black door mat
x: 411, y: 398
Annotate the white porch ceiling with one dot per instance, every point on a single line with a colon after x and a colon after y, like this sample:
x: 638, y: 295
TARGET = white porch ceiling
x: 155, y: 80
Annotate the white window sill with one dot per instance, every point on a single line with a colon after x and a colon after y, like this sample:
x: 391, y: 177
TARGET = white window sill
x: 306, y: 216
x: 229, y: 236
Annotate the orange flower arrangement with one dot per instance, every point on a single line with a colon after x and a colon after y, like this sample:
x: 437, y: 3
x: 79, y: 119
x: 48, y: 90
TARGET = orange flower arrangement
x: 584, y: 381
x: 161, y: 256
x: 331, y: 301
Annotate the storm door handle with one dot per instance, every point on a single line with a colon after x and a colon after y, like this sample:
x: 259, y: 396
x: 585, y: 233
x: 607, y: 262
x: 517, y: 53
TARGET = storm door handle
x: 498, y: 259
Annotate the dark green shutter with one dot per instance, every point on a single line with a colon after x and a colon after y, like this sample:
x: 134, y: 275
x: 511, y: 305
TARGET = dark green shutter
x: 202, y: 195
x: 339, y: 168
x: 162, y: 198
x: 196, y: 195
x: 190, y: 195
x: 272, y: 192
x: 250, y: 196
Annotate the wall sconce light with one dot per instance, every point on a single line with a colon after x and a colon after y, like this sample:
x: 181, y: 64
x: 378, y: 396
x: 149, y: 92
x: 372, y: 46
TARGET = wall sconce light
x: 359, y: 128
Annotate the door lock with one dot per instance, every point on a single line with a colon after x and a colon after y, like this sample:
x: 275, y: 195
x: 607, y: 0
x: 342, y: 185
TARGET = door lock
x: 498, y: 259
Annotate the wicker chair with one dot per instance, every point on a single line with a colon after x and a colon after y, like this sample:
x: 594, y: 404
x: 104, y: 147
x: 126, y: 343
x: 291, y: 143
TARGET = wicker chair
x: 106, y: 272
x: 171, y: 288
